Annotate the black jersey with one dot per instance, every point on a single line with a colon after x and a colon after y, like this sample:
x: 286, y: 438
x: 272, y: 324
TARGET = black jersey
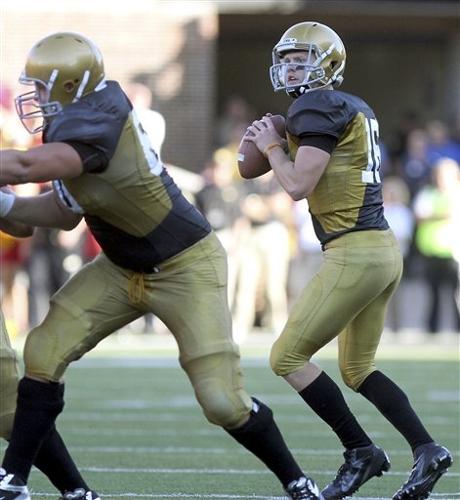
x: 132, y: 206
x: 348, y: 196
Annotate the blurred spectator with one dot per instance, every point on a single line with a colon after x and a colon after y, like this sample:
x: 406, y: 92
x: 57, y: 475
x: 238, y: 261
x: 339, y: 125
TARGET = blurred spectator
x: 231, y: 125
x: 219, y: 201
x: 396, y: 199
x: 263, y: 272
x: 401, y: 220
x: 152, y: 121
x: 45, y: 267
x: 440, y: 144
x: 13, y: 254
x: 415, y: 168
x: 12, y: 132
x: 408, y: 121
x: 436, y: 237
x: 456, y: 250
x: 308, y: 256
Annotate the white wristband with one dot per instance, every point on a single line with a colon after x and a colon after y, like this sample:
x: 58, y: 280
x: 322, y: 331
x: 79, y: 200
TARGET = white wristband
x: 6, y: 203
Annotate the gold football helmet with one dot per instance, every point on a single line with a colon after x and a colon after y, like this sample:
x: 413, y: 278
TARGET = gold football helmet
x: 63, y: 67
x: 321, y: 60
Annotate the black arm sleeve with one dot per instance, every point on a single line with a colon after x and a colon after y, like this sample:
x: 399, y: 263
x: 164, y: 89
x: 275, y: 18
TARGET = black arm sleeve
x: 93, y: 159
x: 325, y: 142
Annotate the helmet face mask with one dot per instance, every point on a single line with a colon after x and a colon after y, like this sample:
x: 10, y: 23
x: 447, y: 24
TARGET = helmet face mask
x: 297, y: 68
x: 34, y: 105
x: 320, y: 61
x: 63, y: 67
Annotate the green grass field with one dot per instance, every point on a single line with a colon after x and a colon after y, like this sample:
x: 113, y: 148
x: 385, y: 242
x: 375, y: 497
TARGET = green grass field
x: 135, y: 429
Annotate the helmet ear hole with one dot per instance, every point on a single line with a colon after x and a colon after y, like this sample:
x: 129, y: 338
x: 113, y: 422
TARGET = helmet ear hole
x: 69, y: 85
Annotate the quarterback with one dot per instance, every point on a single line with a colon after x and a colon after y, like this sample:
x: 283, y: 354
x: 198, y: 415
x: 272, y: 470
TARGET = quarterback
x: 332, y: 158
x: 159, y: 255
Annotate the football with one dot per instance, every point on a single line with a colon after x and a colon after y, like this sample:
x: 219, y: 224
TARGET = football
x: 251, y: 162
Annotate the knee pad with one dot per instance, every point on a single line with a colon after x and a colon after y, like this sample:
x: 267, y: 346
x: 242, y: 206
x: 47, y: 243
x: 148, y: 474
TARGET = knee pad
x: 216, y: 380
x: 222, y: 405
x: 9, y: 378
x: 38, y: 354
x: 283, y: 362
x: 56, y: 342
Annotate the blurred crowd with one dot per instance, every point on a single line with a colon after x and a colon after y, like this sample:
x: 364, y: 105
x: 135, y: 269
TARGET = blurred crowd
x: 272, y: 249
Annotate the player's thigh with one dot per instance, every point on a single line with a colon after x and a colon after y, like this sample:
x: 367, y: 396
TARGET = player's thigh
x: 359, y: 341
x: 189, y: 295
x: 319, y: 314
x: 345, y: 283
x: 90, y: 306
x: 9, y: 377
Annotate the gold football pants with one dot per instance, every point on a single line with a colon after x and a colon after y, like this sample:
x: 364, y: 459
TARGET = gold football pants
x: 346, y: 298
x: 9, y: 377
x: 188, y: 293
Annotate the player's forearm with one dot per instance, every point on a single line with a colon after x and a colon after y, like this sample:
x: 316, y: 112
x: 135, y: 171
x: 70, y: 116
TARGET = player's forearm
x: 286, y: 173
x: 13, y: 167
x: 40, y: 164
x: 42, y: 211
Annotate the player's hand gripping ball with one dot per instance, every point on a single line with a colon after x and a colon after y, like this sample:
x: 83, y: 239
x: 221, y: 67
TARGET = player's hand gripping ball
x: 251, y: 162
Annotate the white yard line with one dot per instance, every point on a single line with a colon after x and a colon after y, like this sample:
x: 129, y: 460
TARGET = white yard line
x: 204, y: 471
x: 214, y: 450
x: 105, y: 414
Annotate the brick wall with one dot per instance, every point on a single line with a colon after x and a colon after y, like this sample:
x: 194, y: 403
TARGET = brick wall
x: 169, y: 45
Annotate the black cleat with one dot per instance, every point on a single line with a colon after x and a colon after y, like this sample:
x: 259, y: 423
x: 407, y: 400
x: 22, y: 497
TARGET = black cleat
x: 80, y: 494
x: 431, y: 462
x: 361, y: 464
x: 303, y: 489
x: 12, y: 488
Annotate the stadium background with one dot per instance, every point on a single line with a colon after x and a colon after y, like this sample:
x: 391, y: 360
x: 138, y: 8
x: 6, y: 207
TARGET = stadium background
x: 402, y: 55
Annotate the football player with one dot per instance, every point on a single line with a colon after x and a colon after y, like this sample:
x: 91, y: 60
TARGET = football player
x: 333, y: 160
x: 159, y: 255
x: 53, y: 458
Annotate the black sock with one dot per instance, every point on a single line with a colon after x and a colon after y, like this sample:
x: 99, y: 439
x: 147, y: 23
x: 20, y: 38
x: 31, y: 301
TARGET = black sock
x: 394, y: 405
x: 326, y: 399
x: 261, y: 436
x: 38, y: 406
x: 54, y: 461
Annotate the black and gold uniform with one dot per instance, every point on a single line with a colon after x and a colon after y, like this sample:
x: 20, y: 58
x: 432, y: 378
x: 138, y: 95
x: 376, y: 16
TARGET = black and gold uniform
x: 348, y: 196
x: 362, y: 263
x: 159, y: 255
